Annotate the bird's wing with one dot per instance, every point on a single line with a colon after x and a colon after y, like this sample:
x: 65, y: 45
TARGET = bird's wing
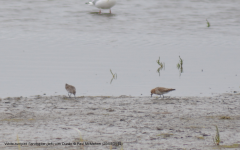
x: 164, y: 89
x: 94, y: 2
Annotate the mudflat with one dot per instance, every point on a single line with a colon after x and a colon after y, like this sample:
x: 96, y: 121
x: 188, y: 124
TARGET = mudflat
x: 104, y: 122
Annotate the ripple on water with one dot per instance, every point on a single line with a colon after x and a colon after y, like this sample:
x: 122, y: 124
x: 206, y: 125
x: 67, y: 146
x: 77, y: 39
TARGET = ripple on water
x: 56, y: 42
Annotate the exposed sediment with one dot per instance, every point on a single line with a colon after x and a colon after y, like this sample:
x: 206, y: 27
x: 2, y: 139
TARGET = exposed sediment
x: 137, y: 122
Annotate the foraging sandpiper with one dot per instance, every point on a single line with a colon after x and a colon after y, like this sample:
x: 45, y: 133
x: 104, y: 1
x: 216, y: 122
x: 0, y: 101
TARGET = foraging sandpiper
x: 160, y: 91
x: 71, y: 89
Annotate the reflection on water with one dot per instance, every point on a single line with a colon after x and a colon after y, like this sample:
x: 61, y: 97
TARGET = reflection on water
x: 114, y: 76
x: 48, y: 43
x: 208, y: 24
x: 180, y: 66
x: 102, y: 14
x: 161, y: 66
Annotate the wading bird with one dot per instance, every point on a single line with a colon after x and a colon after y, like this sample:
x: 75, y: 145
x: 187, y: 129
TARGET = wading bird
x: 160, y: 91
x: 71, y: 90
x: 103, y: 4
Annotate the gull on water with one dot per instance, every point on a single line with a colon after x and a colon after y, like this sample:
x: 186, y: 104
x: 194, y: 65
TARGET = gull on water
x: 103, y: 4
x: 160, y: 91
x: 71, y: 90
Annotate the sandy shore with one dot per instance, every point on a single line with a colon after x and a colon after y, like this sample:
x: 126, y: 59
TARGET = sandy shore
x: 137, y: 122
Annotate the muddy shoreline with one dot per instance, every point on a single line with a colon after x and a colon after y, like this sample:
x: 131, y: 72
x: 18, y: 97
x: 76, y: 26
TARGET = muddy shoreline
x: 137, y: 122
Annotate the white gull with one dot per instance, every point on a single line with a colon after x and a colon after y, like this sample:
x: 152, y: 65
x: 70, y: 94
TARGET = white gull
x: 103, y: 4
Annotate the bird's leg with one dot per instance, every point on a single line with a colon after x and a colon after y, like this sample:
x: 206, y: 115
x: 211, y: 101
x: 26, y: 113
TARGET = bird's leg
x: 100, y: 11
x: 160, y: 96
x: 163, y: 96
x: 69, y: 95
x: 110, y: 11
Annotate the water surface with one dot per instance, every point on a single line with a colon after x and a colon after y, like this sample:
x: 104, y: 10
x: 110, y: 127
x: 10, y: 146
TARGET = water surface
x: 47, y: 43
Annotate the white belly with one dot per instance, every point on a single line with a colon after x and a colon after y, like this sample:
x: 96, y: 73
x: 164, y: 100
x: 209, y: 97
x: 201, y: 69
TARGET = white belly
x: 105, y: 4
x: 160, y: 93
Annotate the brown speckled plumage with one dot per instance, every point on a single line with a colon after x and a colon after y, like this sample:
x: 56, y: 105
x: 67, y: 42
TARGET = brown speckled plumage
x: 71, y: 89
x: 160, y: 91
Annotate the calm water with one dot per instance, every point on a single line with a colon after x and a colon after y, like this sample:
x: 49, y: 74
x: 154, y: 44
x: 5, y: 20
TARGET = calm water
x: 47, y: 43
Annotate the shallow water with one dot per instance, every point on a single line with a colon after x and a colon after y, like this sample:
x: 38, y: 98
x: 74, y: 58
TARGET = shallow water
x: 45, y: 44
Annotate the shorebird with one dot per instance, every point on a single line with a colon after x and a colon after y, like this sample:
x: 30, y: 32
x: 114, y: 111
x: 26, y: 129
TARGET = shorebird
x: 103, y: 4
x: 160, y: 91
x: 71, y: 89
